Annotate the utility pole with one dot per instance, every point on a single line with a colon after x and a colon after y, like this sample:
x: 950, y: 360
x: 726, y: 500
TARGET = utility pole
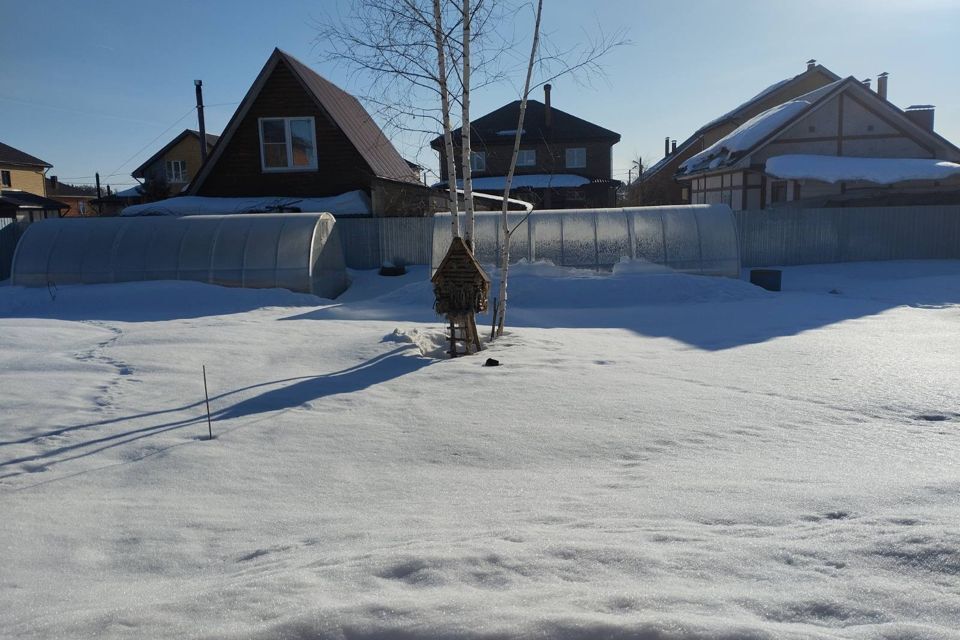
x: 203, y: 129
x: 99, y: 195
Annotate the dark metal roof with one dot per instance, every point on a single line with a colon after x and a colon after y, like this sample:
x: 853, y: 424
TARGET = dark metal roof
x: 67, y: 190
x: 9, y: 155
x: 348, y: 114
x: 211, y: 140
x: 500, y: 126
x: 27, y: 200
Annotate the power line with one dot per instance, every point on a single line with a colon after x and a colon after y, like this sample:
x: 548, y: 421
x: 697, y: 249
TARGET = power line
x: 144, y: 147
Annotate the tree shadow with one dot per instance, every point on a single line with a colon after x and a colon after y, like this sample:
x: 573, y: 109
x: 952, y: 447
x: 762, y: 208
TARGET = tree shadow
x: 378, y: 370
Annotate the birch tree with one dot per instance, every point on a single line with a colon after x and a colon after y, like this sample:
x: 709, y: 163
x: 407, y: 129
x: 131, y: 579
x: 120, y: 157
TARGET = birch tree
x: 466, y: 148
x: 441, y: 79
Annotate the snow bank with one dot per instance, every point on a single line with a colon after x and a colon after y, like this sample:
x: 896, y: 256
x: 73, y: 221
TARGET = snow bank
x: 835, y: 169
x: 619, y: 476
x: 350, y: 203
x: 527, y: 180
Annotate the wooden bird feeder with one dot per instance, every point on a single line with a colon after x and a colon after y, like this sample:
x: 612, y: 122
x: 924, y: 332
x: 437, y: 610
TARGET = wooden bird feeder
x: 461, y: 288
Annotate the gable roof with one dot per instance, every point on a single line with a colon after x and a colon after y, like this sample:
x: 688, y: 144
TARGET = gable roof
x: 66, y: 190
x: 9, y: 155
x: 762, y: 129
x: 735, y: 114
x: 459, y: 253
x: 211, y: 141
x: 500, y: 125
x: 344, y: 110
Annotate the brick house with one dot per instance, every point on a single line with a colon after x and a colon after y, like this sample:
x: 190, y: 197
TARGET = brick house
x: 564, y: 161
x: 176, y: 163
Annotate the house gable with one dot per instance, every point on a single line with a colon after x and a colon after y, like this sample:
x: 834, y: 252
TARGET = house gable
x: 235, y: 167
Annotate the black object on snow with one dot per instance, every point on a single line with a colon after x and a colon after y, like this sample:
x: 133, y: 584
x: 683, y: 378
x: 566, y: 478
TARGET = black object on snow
x: 768, y: 279
x: 391, y: 270
x: 491, y: 363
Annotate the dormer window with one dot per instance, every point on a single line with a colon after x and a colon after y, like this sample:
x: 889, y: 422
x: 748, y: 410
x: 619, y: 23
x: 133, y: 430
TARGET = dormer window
x: 287, y: 144
x: 176, y: 171
x: 478, y: 161
x: 576, y: 158
x: 527, y: 158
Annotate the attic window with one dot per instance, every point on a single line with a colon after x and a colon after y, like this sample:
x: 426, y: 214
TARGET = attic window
x: 288, y: 144
x: 478, y: 161
x: 5, y: 177
x: 176, y: 171
x: 576, y: 157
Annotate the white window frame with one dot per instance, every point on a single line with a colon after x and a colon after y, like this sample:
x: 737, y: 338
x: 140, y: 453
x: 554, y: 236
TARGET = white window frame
x: 572, y: 158
x: 478, y: 161
x: 289, y: 141
x: 527, y: 158
x: 170, y: 167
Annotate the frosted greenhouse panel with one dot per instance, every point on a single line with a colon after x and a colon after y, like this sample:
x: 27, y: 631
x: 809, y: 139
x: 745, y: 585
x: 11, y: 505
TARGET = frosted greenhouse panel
x: 520, y: 240
x: 226, y: 265
x: 260, y: 256
x: 613, y: 238
x: 579, y: 239
x: 131, y: 251
x: 163, y: 254
x: 65, y: 261
x: 682, y: 241
x: 718, y: 243
x: 196, y: 249
x: 547, y: 240
x: 648, y: 236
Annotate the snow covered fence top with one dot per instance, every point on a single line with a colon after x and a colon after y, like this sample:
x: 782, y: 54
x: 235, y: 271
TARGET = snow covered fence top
x: 296, y: 251
x: 699, y: 239
x: 349, y: 203
x: 835, y: 169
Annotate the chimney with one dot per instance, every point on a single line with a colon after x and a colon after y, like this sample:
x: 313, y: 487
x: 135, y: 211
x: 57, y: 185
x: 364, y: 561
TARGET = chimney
x: 866, y: 83
x: 53, y: 182
x: 666, y: 146
x: 921, y: 115
x: 811, y: 63
x: 882, y: 85
x: 547, y: 115
x: 673, y: 146
x: 198, y: 84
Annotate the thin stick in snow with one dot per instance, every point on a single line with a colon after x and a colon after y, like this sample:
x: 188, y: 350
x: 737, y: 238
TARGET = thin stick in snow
x: 206, y: 396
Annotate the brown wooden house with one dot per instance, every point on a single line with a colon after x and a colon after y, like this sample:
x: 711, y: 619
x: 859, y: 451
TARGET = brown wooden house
x: 564, y: 161
x: 296, y: 134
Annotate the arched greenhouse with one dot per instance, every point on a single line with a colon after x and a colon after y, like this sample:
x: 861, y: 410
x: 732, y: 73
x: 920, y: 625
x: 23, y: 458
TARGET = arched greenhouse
x: 698, y: 239
x: 300, y: 252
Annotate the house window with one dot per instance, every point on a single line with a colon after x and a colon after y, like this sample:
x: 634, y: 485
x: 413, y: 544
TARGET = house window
x: 478, y: 161
x: 5, y: 178
x: 176, y: 171
x: 288, y: 144
x: 778, y: 191
x: 527, y: 158
x: 576, y: 157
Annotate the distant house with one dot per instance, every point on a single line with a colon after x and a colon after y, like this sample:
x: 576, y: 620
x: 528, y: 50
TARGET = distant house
x: 298, y: 136
x: 841, y: 144
x: 77, y: 199
x: 564, y: 161
x: 658, y: 186
x: 177, y: 162
x: 21, y: 171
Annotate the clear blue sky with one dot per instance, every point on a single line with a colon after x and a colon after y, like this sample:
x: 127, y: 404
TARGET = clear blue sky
x: 87, y: 86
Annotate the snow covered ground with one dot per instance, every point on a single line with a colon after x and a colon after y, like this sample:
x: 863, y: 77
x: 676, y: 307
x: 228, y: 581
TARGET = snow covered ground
x: 659, y: 456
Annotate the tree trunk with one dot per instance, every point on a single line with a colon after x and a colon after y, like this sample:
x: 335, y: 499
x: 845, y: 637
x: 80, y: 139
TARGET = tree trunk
x: 465, y: 128
x: 445, y: 108
x: 504, y: 221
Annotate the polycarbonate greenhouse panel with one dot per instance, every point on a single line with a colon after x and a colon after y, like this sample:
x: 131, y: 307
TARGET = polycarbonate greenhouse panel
x: 296, y: 251
x: 699, y: 239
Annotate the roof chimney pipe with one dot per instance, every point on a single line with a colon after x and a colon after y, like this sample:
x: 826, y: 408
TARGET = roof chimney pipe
x: 53, y: 182
x: 882, y: 85
x: 198, y: 84
x: 666, y: 146
x: 866, y: 82
x: 547, y: 115
x: 811, y: 63
x: 673, y: 146
x: 921, y: 115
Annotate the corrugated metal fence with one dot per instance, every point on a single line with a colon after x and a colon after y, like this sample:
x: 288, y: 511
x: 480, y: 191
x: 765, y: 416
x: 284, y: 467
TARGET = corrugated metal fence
x: 369, y: 242
x: 812, y: 236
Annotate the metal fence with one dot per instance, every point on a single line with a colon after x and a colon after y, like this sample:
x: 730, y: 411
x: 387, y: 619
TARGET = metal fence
x: 369, y: 242
x: 10, y: 232
x: 813, y: 236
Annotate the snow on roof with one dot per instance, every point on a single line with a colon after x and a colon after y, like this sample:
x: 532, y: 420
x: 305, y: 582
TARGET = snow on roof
x: 510, y: 132
x: 751, y: 132
x: 844, y: 168
x: 132, y: 192
x: 759, y: 96
x: 350, y: 203
x: 527, y: 180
